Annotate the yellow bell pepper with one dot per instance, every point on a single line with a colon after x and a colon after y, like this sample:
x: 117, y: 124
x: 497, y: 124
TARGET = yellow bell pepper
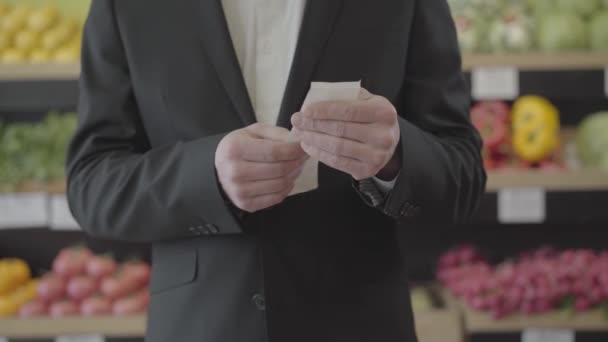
x: 535, y: 128
x: 534, y: 145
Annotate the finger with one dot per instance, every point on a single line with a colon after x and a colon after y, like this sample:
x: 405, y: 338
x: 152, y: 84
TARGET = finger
x: 375, y: 109
x: 365, y: 133
x: 355, y: 168
x: 266, y: 187
x: 270, y: 132
x: 253, y: 171
x: 342, y: 147
x: 264, y: 150
x: 267, y: 201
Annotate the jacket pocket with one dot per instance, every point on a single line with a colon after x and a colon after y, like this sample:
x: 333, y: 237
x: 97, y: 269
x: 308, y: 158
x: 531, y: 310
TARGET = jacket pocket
x: 173, y: 265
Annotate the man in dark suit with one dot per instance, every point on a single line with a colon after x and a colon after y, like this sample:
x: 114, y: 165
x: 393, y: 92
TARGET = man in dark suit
x: 168, y: 151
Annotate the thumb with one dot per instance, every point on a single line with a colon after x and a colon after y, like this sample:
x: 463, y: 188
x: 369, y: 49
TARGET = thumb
x: 364, y: 94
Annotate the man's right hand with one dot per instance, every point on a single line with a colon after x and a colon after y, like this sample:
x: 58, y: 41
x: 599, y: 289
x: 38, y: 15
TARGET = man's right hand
x: 257, y: 166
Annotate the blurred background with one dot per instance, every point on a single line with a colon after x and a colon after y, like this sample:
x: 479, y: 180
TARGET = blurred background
x: 532, y: 265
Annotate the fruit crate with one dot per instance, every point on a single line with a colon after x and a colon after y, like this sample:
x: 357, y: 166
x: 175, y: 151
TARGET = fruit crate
x: 476, y: 322
x: 434, y: 320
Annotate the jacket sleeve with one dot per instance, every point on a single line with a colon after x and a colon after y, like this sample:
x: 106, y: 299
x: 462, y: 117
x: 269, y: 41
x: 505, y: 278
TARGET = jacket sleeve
x: 442, y: 176
x: 118, y: 186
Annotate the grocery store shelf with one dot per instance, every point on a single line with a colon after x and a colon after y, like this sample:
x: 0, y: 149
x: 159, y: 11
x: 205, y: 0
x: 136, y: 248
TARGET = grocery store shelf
x: 480, y: 322
x: 539, y: 60
x: 134, y: 326
x: 580, y: 180
x: 477, y: 322
x: 426, y: 325
x: 27, y: 72
x: 450, y: 321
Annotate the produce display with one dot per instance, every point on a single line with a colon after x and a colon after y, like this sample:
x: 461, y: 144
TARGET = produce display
x: 80, y: 284
x: 16, y: 286
x: 34, y: 152
x: 525, y: 25
x: 536, y: 282
x: 38, y: 35
x: 524, y: 136
x: 592, y: 141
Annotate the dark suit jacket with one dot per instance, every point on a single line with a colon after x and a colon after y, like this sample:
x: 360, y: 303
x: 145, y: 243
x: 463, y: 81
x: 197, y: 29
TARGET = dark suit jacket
x: 161, y: 86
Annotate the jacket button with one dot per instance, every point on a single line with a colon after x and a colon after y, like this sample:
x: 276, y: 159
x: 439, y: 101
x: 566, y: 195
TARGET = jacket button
x: 212, y: 229
x: 259, y: 301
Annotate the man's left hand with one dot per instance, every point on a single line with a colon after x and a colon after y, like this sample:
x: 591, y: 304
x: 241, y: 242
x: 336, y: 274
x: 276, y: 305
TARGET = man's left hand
x: 356, y: 137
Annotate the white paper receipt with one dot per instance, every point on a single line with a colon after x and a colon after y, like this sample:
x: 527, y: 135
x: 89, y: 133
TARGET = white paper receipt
x: 319, y: 92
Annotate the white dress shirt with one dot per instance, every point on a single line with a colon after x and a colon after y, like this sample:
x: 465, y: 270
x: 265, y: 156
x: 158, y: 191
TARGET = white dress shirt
x: 265, y: 34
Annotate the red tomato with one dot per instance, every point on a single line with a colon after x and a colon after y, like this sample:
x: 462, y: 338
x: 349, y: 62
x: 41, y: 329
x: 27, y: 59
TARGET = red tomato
x: 35, y: 308
x: 491, y: 120
x: 118, y: 286
x: 96, y: 306
x: 71, y: 261
x: 100, y: 266
x: 139, y: 271
x: 81, y: 287
x: 63, y: 309
x: 137, y: 303
x: 51, y: 288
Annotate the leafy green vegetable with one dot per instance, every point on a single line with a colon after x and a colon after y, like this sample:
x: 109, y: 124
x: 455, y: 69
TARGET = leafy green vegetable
x: 592, y: 141
x: 34, y: 152
x: 562, y: 31
x: 599, y: 31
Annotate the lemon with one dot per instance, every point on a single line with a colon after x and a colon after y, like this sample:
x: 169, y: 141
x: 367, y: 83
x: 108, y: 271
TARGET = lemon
x: 43, y: 18
x: 13, y: 21
x: 66, y: 55
x: 40, y: 56
x: 5, y: 41
x: 4, y: 9
x: 54, y: 38
x: 26, y: 40
x: 13, y: 56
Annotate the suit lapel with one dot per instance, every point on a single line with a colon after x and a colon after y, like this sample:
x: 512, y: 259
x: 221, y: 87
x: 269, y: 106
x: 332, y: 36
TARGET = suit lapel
x: 317, y: 25
x: 220, y: 50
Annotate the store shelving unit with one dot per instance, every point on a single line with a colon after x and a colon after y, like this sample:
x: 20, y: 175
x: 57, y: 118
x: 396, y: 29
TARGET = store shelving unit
x: 477, y: 322
x: 134, y: 326
x: 535, y: 61
x: 39, y: 72
x: 574, y: 196
x: 594, y: 321
x: 539, y: 61
x: 551, y: 181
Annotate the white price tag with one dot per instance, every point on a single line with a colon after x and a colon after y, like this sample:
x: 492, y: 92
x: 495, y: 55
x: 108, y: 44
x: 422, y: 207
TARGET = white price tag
x: 60, y: 216
x: 88, y: 338
x: 23, y: 210
x: 548, y: 335
x: 522, y: 205
x: 495, y: 83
